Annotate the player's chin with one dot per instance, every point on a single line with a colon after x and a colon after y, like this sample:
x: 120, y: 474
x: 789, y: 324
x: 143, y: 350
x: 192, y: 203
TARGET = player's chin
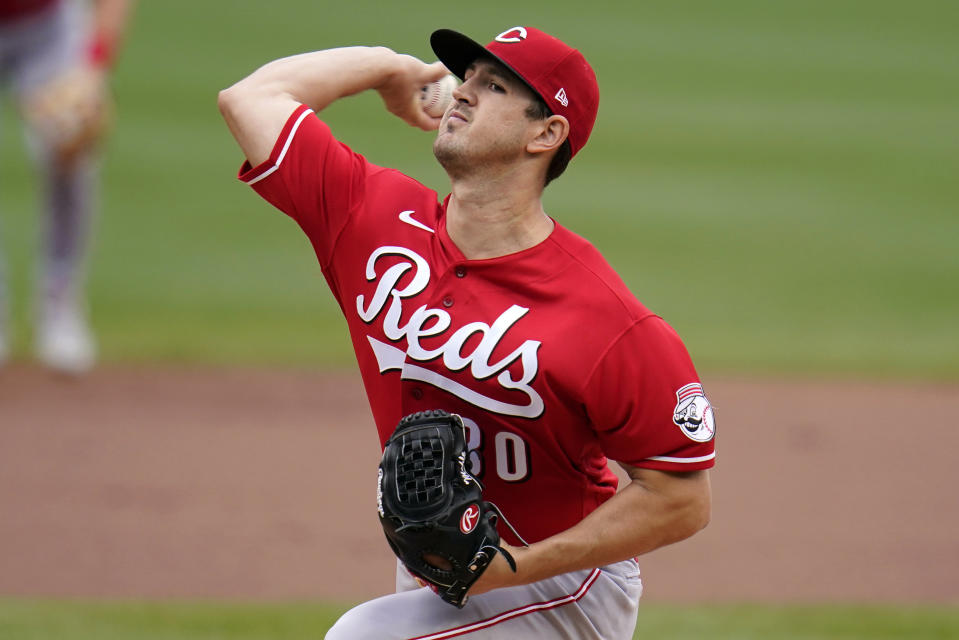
x: 446, y: 151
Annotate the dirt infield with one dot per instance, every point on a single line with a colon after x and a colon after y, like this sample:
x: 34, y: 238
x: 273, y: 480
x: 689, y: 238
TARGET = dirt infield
x: 248, y: 484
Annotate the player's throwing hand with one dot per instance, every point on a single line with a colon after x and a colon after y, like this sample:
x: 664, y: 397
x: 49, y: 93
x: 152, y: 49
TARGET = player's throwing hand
x: 401, y: 91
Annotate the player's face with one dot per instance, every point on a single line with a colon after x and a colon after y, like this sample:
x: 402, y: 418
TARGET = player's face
x: 487, y: 123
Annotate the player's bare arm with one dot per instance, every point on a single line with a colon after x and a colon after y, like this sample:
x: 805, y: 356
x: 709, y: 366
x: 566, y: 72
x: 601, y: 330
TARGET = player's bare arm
x: 655, y: 509
x: 110, y: 21
x: 109, y: 24
x: 257, y: 107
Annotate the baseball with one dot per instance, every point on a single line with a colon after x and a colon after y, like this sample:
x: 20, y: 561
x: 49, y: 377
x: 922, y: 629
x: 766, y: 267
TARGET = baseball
x: 435, y: 97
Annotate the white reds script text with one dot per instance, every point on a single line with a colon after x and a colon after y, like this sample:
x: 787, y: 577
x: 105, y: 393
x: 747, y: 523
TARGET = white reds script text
x: 386, y: 303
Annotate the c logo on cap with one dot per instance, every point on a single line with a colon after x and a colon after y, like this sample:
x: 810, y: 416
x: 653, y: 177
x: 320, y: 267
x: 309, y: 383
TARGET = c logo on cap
x: 510, y: 36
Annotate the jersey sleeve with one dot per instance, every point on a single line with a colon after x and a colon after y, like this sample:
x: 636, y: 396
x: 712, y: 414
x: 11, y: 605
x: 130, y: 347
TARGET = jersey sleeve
x: 315, y: 179
x: 647, y: 404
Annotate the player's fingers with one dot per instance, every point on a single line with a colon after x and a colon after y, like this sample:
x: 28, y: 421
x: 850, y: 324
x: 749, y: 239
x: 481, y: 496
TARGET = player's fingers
x: 437, y: 70
x: 414, y: 116
x: 427, y: 122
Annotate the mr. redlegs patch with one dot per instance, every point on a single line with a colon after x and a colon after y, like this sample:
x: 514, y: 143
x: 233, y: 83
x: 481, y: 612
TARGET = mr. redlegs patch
x: 693, y: 414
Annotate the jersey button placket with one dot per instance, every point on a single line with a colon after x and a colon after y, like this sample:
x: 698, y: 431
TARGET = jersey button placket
x: 448, y: 301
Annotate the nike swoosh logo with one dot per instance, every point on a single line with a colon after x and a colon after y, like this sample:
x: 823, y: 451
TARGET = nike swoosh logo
x: 407, y: 217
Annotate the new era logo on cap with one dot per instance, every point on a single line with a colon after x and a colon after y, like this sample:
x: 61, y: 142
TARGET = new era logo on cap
x: 558, y: 73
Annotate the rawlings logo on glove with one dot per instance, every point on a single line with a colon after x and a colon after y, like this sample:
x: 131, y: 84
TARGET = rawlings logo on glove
x: 432, y: 509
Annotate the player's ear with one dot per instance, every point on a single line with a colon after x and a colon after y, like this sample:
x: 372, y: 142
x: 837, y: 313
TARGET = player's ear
x: 552, y: 132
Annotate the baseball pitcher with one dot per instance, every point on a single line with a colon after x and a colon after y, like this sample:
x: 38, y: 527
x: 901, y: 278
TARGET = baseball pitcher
x: 506, y: 363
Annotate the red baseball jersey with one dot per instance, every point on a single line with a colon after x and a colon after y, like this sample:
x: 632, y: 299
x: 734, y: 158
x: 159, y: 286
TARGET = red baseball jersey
x: 551, y: 361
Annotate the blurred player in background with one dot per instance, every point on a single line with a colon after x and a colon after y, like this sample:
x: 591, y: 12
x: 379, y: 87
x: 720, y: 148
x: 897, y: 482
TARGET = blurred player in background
x: 55, y: 58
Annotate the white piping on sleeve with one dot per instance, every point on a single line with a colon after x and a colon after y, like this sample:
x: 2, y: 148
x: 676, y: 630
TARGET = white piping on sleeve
x: 683, y: 460
x: 286, y: 147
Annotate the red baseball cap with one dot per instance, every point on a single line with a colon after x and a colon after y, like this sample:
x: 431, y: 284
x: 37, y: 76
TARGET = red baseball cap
x: 556, y: 72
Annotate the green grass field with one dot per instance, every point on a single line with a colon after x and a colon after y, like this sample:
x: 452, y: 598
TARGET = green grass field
x: 776, y: 179
x: 115, y: 621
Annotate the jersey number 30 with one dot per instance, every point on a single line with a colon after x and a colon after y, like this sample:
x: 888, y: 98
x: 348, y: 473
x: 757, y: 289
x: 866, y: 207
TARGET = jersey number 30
x: 510, y: 453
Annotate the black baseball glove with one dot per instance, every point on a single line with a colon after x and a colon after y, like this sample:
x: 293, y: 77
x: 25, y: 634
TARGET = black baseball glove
x: 431, y: 508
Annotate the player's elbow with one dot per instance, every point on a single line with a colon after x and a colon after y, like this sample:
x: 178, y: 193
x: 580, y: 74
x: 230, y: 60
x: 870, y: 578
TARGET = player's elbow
x: 693, y: 508
x: 699, y: 507
x: 689, y: 518
x: 241, y: 96
x: 227, y: 101
x: 239, y: 107
x: 702, y: 513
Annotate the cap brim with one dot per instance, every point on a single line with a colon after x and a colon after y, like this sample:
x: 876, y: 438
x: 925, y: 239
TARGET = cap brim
x: 457, y: 52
